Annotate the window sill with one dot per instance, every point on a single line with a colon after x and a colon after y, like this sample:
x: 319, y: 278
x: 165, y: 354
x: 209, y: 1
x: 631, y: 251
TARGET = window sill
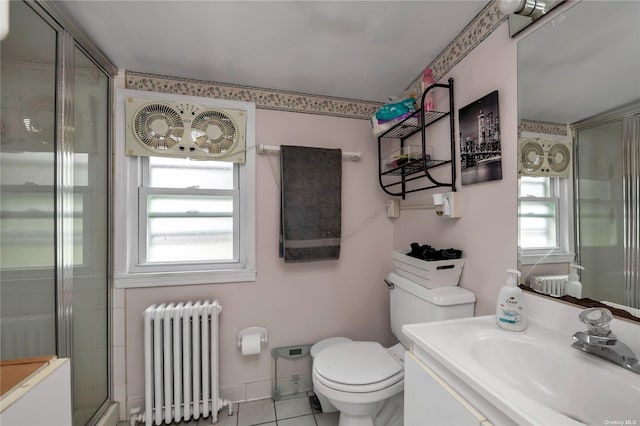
x: 165, y: 279
x: 544, y: 258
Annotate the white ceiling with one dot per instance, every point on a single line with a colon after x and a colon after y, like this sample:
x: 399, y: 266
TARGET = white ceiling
x: 367, y: 50
x: 582, y: 63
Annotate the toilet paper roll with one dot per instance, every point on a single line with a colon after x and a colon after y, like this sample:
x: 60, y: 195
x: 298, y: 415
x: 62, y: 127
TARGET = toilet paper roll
x: 250, y: 344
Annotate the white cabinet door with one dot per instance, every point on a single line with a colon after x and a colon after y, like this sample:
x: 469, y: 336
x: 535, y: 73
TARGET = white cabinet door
x: 429, y: 401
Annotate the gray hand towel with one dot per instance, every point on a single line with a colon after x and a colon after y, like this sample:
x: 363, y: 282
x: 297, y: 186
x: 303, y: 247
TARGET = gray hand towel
x: 311, y: 208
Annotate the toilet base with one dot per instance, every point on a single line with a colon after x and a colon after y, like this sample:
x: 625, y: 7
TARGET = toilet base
x: 325, y: 404
x: 361, y: 415
x: 389, y: 412
x: 379, y: 408
x: 392, y: 412
x: 347, y: 420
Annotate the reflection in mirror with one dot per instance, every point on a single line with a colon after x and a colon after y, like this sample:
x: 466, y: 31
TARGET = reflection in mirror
x: 579, y: 154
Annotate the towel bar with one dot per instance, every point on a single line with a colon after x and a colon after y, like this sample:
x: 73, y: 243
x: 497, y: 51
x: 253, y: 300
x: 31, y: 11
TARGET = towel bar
x: 353, y: 156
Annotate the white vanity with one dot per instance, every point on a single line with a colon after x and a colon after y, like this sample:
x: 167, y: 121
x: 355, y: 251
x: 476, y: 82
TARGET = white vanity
x: 470, y: 372
x: 430, y: 400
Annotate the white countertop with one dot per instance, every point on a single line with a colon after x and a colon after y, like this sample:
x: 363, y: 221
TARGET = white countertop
x: 534, y: 377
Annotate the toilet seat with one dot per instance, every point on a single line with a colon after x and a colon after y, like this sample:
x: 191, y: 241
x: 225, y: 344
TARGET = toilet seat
x: 366, y: 388
x: 357, y: 367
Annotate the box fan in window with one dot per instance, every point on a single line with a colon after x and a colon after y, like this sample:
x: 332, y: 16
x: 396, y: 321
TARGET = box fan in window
x: 544, y: 157
x: 184, y: 129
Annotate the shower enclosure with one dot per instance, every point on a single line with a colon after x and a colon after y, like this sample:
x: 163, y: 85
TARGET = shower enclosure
x: 54, y: 200
x: 607, y: 205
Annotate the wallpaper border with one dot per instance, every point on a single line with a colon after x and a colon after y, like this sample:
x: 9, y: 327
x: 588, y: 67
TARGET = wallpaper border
x: 543, y: 127
x: 480, y: 27
x: 279, y: 100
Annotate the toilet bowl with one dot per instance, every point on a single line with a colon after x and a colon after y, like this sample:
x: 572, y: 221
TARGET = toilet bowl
x: 365, y: 381
x: 358, y: 378
x: 325, y: 404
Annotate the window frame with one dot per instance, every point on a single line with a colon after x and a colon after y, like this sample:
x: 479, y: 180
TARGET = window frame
x: 129, y: 172
x: 561, y: 196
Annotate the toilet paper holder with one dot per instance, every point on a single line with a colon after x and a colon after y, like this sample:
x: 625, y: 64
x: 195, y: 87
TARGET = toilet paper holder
x: 264, y: 335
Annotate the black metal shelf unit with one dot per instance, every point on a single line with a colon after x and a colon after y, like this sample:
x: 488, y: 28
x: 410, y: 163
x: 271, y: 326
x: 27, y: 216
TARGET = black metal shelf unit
x: 417, y: 168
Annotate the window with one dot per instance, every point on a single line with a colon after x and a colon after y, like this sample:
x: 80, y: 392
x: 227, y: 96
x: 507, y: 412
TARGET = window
x: 186, y: 221
x: 188, y: 212
x: 544, y: 220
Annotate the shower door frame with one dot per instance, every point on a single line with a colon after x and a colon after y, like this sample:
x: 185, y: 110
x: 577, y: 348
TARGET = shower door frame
x: 68, y: 38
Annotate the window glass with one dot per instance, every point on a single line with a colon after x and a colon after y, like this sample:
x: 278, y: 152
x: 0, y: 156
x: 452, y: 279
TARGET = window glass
x: 184, y: 173
x: 189, y: 228
x: 537, y: 224
x: 535, y: 187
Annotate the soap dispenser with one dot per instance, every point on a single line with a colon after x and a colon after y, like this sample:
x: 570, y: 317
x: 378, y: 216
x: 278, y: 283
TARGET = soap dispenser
x: 573, y: 287
x: 510, y: 310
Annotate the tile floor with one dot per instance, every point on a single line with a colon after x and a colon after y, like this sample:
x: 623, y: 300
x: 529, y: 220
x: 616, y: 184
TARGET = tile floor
x: 288, y: 411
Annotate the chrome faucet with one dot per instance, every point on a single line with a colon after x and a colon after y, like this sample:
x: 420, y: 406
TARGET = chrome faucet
x: 598, y: 340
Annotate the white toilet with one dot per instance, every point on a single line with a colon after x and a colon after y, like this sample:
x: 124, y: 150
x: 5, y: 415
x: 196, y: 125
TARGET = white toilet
x: 365, y: 381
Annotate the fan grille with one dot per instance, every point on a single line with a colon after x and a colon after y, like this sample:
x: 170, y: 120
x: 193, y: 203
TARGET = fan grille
x: 158, y: 126
x: 558, y: 157
x: 214, y: 132
x: 531, y: 157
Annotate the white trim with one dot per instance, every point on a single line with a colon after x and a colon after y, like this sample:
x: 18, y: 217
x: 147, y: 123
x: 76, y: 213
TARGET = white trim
x: 567, y: 237
x: 127, y: 173
x: 544, y: 258
x: 562, y: 197
x: 184, y: 278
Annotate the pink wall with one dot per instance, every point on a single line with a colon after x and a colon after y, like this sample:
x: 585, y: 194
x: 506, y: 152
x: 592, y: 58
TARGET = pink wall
x: 487, y: 230
x: 297, y: 303
x: 303, y: 303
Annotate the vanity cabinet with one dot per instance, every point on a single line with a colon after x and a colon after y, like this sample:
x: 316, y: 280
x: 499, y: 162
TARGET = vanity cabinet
x: 429, y: 400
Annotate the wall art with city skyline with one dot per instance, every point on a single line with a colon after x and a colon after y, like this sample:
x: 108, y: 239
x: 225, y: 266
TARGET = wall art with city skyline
x: 480, y: 151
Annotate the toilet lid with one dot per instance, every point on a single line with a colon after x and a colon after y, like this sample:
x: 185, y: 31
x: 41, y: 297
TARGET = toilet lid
x: 356, y: 363
x: 323, y: 344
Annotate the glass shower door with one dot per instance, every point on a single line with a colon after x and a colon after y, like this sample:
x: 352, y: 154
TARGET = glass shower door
x: 600, y: 210
x: 608, y: 206
x: 28, y: 192
x: 90, y: 238
x: 54, y: 209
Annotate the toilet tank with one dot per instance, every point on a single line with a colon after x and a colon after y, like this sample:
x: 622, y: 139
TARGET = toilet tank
x: 412, y: 303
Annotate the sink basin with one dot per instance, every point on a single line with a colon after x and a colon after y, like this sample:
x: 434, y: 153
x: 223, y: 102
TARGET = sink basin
x: 534, y: 377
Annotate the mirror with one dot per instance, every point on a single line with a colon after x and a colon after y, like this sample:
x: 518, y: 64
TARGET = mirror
x: 578, y: 88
